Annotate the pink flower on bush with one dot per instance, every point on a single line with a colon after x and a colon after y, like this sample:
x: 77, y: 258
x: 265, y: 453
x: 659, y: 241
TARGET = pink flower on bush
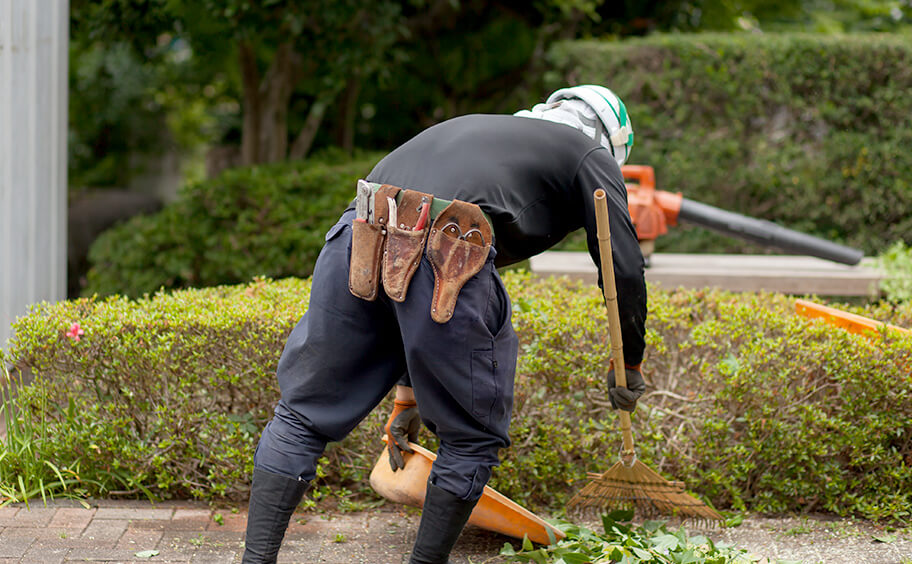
x: 75, y: 332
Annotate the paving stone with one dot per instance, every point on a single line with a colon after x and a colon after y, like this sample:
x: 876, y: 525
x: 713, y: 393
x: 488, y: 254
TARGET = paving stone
x: 68, y: 503
x: 221, y: 556
x: 139, y: 540
x: 120, y: 555
x: 339, y: 553
x: 33, y: 517
x: 7, y: 515
x: 230, y: 522
x: 133, y: 513
x: 163, y: 558
x: 124, y: 503
x: 392, y: 554
x: 392, y: 526
x: 12, y: 533
x: 15, y: 547
x: 184, y: 540
x: 43, y: 553
x: 105, y: 532
x: 297, y: 555
x: 43, y: 533
x: 314, y: 525
x: 149, y: 525
x: 192, y: 514
x: 475, y: 545
x: 72, y: 517
x: 375, y: 537
x: 183, y: 504
x: 190, y: 520
x: 222, y: 538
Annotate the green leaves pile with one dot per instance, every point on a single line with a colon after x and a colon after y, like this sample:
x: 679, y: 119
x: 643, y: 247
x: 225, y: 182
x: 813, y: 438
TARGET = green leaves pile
x: 625, y: 543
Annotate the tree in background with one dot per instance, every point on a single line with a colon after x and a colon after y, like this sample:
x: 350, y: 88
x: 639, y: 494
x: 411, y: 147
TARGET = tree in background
x: 632, y: 17
x: 269, y: 48
x: 277, y: 78
x: 290, y: 61
x: 110, y: 113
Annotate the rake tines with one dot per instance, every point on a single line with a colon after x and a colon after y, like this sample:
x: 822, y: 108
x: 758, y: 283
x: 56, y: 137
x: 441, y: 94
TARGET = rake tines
x: 638, y: 486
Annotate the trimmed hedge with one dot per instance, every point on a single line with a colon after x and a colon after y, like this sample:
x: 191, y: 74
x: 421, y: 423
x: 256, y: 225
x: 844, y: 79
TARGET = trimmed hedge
x: 753, y: 406
x: 810, y: 131
x: 258, y: 221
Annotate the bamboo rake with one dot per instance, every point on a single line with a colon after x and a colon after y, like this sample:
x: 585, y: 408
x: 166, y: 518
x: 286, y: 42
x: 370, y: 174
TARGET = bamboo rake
x: 629, y: 482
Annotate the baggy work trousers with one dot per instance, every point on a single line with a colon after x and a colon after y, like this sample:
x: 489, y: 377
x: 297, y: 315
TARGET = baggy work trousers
x: 346, y: 353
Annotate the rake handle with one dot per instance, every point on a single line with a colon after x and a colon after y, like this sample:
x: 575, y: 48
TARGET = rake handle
x: 609, y: 290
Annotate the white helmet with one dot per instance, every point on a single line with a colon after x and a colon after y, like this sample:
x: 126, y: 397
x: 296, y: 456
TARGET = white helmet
x: 618, y: 133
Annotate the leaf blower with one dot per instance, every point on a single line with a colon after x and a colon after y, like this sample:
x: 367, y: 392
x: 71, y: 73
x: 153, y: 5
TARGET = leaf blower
x: 652, y: 211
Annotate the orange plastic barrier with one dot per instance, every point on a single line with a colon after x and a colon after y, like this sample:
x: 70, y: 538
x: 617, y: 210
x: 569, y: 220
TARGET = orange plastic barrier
x: 848, y: 321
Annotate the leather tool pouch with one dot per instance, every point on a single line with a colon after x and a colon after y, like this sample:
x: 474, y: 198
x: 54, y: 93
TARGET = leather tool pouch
x: 458, y: 247
x: 404, y: 245
x: 367, y: 247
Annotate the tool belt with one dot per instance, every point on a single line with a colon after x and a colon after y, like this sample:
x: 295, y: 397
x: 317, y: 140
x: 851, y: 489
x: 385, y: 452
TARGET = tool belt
x: 393, y: 228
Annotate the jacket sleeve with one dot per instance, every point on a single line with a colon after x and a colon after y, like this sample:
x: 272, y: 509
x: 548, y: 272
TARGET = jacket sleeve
x: 599, y: 170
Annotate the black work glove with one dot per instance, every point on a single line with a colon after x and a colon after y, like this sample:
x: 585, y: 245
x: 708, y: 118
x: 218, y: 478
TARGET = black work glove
x: 626, y: 398
x: 402, y: 427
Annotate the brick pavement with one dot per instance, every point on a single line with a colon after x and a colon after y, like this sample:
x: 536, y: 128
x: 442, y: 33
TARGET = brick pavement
x: 121, y: 531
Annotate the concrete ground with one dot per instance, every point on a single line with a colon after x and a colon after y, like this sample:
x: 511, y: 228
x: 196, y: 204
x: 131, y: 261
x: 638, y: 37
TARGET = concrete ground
x: 135, y: 531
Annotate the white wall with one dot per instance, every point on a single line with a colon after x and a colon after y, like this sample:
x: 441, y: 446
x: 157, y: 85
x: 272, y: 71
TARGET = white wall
x: 33, y: 174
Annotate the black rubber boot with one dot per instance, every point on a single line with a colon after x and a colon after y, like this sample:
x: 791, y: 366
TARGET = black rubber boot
x: 273, y: 498
x: 442, y: 519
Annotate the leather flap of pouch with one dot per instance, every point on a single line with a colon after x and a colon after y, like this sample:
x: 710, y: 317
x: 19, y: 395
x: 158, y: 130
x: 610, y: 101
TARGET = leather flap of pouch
x: 400, y: 260
x: 409, y: 208
x: 381, y: 206
x: 458, y: 247
x: 404, y: 245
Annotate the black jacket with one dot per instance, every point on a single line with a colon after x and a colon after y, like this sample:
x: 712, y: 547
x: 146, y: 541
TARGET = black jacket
x: 535, y: 180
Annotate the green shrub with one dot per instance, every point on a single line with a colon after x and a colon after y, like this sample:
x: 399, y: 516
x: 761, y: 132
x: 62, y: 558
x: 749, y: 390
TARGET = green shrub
x: 258, y: 221
x: 751, y: 405
x: 809, y: 131
x: 896, y: 262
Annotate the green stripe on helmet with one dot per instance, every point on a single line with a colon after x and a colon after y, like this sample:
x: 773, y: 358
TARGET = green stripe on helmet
x: 621, y: 117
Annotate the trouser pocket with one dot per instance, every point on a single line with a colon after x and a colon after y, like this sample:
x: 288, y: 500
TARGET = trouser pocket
x: 492, y: 385
x: 485, y: 393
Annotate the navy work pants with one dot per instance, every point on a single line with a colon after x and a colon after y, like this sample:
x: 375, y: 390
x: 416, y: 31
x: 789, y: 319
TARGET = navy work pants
x: 346, y: 353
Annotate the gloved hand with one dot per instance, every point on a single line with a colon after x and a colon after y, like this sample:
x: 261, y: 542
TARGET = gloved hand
x: 626, y: 398
x: 402, y: 427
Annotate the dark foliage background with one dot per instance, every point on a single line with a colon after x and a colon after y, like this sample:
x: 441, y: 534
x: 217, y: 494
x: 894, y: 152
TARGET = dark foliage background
x: 810, y: 131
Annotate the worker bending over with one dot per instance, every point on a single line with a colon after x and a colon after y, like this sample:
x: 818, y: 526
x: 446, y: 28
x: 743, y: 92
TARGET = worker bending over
x: 406, y: 291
